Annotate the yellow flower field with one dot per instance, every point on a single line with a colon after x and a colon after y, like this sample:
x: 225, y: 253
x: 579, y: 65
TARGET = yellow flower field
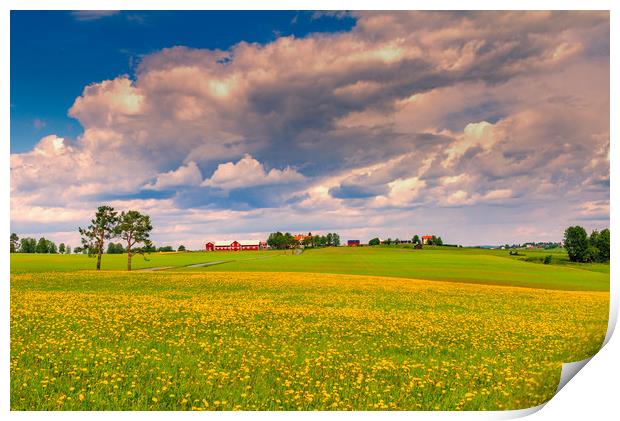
x: 222, y: 341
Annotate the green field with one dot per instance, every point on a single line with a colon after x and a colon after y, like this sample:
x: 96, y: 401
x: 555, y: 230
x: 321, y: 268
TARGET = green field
x: 32, y: 262
x: 444, y: 264
x: 336, y: 328
x: 495, y: 267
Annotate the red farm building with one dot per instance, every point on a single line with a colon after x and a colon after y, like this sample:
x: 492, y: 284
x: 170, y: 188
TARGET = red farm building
x: 353, y: 243
x: 233, y: 245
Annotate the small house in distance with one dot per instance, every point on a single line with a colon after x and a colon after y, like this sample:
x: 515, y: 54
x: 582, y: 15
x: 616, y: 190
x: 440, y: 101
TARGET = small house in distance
x: 353, y: 243
x: 302, y: 237
x: 426, y: 239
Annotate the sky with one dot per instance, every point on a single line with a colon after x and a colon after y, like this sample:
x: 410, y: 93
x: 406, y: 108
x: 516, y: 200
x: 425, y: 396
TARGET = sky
x: 480, y: 127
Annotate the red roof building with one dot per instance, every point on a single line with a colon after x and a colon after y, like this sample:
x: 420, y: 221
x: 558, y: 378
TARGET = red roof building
x: 233, y: 245
x: 302, y: 237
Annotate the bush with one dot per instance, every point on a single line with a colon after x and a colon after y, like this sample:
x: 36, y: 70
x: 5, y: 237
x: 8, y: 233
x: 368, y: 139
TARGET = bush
x: 547, y: 259
x: 374, y: 242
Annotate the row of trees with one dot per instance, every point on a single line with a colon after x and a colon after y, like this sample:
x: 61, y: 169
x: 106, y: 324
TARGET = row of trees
x: 328, y: 240
x: 117, y: 248
x: 434, y: 241
x: 581, y: 248
x: 132, y: 227
x: 279, y: 240
x: 31, y: 245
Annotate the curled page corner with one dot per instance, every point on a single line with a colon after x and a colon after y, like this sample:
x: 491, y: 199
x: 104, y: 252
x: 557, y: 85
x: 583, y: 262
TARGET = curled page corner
x: 568, y: 372
x: 613, y: 316
x: 518, y: 413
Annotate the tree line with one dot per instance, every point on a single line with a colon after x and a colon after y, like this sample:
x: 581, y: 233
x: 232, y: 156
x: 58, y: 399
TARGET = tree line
x: 433, y: 241
x: 31, y: 245
x: 581, y: 248
x: 117, y: 248
x: 280, y: 241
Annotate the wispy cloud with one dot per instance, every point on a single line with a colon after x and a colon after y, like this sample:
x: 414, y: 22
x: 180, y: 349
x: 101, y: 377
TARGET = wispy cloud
x: 38, y: 123
x: 90, y: 15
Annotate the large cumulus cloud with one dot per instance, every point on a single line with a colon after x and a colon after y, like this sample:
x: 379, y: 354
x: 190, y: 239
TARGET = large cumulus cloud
x: 409, y: 122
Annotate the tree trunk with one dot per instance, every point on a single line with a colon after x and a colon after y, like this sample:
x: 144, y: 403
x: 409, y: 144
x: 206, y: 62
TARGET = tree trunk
x: 99, y: 245
x: 129, y: 260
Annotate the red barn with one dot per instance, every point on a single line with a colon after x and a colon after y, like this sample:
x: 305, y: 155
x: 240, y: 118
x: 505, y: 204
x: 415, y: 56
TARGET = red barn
x: 249, y: 244
x: 233, y: 245
x: 353, y: 243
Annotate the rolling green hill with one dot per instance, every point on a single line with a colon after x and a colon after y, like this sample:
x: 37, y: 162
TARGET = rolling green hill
x: 494, y: 267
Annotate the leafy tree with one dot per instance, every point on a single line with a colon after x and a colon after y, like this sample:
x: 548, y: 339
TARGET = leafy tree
x: 336, y: 239
x: 329, y: 239
x: 374, y: 242
x: 51, y: 247
x: 42, y: 246
x: 102, y: 227
x: 388, y: 241
x: 68, y: 249
x: 165, y: 248
x: 135, y: 229
x: 416, y: 239
x: 14, y: 242
x: 600, y: 241
x: 27, y: 245
x: 181, y: 248
x: 289, y: 240
x: 576, y: 243
x: 62, y: 248
x: 438, y: 241
x: 592, y: 254
x: 276, y: 240
x: 115, y: 248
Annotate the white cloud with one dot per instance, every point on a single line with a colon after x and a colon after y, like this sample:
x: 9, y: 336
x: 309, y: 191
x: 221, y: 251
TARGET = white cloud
x: 185, y: 175
x: 248, y: 172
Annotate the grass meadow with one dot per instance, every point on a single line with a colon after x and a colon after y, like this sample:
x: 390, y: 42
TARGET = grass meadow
x: 330, y: 329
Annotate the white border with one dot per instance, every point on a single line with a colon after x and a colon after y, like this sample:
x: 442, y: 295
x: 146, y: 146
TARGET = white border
x: 592, y: 394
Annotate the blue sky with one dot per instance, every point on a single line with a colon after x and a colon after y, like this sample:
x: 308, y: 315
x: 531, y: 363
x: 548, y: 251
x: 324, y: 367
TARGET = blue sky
x: 78, y: 50
x: 481, y: 127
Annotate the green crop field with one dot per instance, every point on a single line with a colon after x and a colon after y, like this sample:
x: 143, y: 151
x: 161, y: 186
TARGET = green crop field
x: 432, y: 263
x: 31, y: 262
x: 442, y: 263
x: 336, y: 328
